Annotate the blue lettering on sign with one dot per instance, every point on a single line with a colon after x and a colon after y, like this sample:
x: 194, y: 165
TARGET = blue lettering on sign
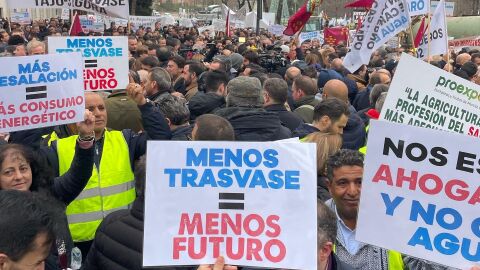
x: 244, y: 174
x: 89, y: 43
x: 36, y: 73
x: 415, y: 5
x: 445, y: 243
x: 94, y: 47
x: 389, y: 204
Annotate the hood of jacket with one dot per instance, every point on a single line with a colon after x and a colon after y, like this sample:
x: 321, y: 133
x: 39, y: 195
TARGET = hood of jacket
x: 254, y: 124
x: 354, y: 134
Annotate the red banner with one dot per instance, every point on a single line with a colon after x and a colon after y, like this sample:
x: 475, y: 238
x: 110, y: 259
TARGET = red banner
x: 335, y: 35
x: 297, y: 21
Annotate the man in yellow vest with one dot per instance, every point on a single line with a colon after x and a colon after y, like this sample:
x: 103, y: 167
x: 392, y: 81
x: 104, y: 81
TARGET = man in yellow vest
x: 111, y: 186
x: 345, y: 172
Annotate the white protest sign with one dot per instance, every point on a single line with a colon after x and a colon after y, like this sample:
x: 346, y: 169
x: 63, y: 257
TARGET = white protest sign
x: 146, y: 21
x: 432, y: 98
x: 436, y: 42
x: 219, y: 25
x: 209, y: 28
x: 417, y: 7
x: 20, y: 17
x: 276, y: 29
x: 40, y: 91
x: 241, y: 14
x: 105, y: 59
x: 167, y: 20
x: 65, y: 14
x: 185, y: 22
x: 253, y: 203
x: 384, y: 20
x: 113, y: 8
x: 309, y: 36
x: 118, y: 22
x: 421, y: 186
x: 91, y: 24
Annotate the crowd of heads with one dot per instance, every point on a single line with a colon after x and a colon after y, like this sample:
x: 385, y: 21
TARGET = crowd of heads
x: 208, y: 85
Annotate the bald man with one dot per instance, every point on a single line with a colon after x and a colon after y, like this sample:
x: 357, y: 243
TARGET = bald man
x: 337, y: 64
x: 362, y: 100
x: 291, y: 74
x: 462, y: 59
x: 336, y: 88
x: 354, y: 134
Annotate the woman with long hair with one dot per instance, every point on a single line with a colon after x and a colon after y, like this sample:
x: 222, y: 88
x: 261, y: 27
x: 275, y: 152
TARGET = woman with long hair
x: 327, y: 144
x: 25, y: 170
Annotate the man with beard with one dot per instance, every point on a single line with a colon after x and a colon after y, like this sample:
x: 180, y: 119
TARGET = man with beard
x: 157, y: 84
x: 191, y: 72
x: 175, y: 67
x: 214, y: 97
x: 330, y: 116
x: 345, y: 172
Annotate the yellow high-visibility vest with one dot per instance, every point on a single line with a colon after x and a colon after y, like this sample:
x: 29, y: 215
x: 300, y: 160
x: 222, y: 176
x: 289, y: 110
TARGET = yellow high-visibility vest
x: 110, y: 188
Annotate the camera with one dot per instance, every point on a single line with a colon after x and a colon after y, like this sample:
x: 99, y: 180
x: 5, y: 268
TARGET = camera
x: 272, y: 59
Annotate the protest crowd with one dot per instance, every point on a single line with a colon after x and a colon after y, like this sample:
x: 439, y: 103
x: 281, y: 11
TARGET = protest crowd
x: 72, y: 196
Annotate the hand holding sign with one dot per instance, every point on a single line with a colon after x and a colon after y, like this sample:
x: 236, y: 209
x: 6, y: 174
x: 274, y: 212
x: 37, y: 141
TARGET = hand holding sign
x: 85, y: 128
x: 135, y: 92
x: 219, y: 265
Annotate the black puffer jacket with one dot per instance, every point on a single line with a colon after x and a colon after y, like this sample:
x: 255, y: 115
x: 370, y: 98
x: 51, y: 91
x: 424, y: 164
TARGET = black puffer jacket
x: 289, y: 119
x: 183, y: 133
x: 354, y: 134
x: 118, y: 242
x: 254, y: 124
x: 203, y: 103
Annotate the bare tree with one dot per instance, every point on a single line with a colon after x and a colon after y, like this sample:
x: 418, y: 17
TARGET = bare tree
x: 133, y: 6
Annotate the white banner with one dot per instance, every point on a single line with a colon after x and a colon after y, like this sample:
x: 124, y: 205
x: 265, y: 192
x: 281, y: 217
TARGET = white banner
x: 20, y: 17
x: 209, y: 28
x: 377, y: 28
x: 438, y: 35
x: 253, y: 203
x: 105, y: 59
x: 417, y: 7
x: 309, y: 35
x: 458, y: 44
x: 146, y: 21
x: 185, y: 22
x: 113, y: 8
x: 91, y: 24
x: 65, y: 14
x: 241, y: 14
x: 40, y: 91
x: 219, y: 25
x: 167, y: 20
x: 421, y: 194
x: 276, y: 29
x: 433, y: 98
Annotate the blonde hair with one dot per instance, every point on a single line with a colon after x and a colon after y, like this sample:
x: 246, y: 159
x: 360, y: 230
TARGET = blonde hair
x: 198, y: 57
x: 311, y: 59
x: 327, y: 145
